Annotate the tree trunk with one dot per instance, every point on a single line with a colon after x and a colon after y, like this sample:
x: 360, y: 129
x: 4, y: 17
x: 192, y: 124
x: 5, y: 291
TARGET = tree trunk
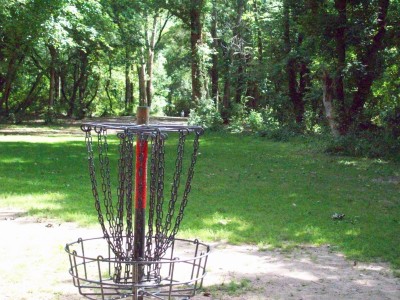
x: 128, y: 84
x: 340, y: 40
x: 365, y: 81
x: 107, y: 87
x: 291, y: 66
x: 196, y: 27
x: 214, y: 68
x: 79, y: 85
x: 259, y: 33
x: 142, y: 84
x: 30, y: 97
x: 237, y: 35
x: 327, y: 99
x: 9, y: 79
x: 228, y: 54
x: 52, y: 75
x: 150, y: 61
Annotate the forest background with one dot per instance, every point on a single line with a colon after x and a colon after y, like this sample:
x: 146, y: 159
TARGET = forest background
x: 276, y: 68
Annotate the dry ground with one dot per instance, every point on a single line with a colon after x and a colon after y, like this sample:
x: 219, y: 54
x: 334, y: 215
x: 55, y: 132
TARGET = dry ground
x: 33, y: 265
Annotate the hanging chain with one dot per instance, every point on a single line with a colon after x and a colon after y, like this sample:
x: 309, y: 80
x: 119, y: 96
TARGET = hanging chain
x: 188, y: 185
x: 92, y: 173
x: 105, y: 176
x: 176, y: 182
x: 168, y: 236
x: 129, y: 194
x: 162, y: 225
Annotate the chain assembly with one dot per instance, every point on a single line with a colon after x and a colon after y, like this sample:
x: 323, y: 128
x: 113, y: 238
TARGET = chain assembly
x: 116, y: 208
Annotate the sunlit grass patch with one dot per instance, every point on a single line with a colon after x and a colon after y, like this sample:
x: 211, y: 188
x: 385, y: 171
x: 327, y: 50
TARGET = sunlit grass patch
x: 245, y: 190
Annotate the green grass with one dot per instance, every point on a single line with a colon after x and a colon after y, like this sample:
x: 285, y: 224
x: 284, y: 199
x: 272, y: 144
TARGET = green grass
x: 246, y: 190
x: 232, y: 288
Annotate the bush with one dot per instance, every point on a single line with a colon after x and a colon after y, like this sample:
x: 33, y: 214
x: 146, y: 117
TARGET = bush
x: 206, y: 115
x: 372, y: 144
x: 255, y: 121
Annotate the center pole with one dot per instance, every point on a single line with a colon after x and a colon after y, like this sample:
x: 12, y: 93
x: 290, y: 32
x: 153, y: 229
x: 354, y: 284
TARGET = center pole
x: 140, y: 192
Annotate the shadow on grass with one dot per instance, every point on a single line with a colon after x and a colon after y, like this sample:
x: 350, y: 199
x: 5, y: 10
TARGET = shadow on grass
x: 245, y: 190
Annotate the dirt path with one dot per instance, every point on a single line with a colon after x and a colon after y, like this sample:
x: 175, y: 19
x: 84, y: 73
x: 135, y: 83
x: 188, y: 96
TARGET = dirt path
x: 33, y: 265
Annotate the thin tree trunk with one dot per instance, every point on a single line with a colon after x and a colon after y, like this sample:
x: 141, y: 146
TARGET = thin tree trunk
x: 52, y: 71
x: 142, y: 84
x: 227, y: 83
x: 107, y: 87
x: 9, y: 79
x: 340, y: 39
x: 237, y: 34
x: 196, y: 27
x: 128, y: 88
x: 327, y: 99
x: 214, y: 68
x: 30, y: 97
x: 150, y: 61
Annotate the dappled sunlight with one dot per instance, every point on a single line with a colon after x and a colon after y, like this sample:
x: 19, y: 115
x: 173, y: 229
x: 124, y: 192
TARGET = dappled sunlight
x: 309, y: 272
x: 218, y: 219
x: 37, y: 201
x: 40, y: 139
x: 348, y: 162
x: 15, y: 160
x: 353, y: 232
x: 310, y: 230
x: 301, y: 275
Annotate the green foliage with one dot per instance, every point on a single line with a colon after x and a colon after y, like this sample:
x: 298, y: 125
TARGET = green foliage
x: 372, y: 144
x: 206, y: 115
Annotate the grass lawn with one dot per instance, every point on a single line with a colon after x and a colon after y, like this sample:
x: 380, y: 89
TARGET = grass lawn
x: 246, y: 190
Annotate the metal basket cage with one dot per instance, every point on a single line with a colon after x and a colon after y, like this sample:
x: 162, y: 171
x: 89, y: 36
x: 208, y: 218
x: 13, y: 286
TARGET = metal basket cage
x: 178, y: 275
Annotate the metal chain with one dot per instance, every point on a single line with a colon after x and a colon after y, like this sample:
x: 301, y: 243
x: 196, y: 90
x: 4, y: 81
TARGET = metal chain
x: 159, y: 240
x: 162, y: 226
x: 105, y: 176
x: 188, y: 185
x: 153, y: 191
x: 171, y: 235
x: 129, y: 192
x: 92, y: 173
x: 176, y: 182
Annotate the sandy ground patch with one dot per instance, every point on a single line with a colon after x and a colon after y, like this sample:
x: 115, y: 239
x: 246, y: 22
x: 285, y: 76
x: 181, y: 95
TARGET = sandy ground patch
x: 34, y: 265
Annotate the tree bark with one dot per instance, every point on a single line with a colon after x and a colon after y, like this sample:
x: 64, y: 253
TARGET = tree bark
x: 9, y: 79
x: 291, y: 66
x: 214, y: 68
x: 150, y: 61
x: 340, y: 40
x: 128, y: 83
x: 78, y: 87
x: 327, y: 99
x: 30, y: 97
x: 52, y: 75
x: 142, y: 84
x: 196, y: 27
x: 238, y: 38
x: 365, y: 81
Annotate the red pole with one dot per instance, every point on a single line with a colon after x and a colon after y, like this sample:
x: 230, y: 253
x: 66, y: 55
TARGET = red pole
x: 140, y: 191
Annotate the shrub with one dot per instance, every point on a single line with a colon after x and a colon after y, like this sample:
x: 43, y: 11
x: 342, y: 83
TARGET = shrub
x: 255, y: 121
x: 372, y: 144
x: 206, y: 115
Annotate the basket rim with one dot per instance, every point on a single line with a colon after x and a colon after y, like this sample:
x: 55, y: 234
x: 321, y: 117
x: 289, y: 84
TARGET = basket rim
x: 200, y: 255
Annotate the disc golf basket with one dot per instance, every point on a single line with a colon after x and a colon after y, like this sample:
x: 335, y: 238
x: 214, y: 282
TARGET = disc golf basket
x: 127, y: 262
